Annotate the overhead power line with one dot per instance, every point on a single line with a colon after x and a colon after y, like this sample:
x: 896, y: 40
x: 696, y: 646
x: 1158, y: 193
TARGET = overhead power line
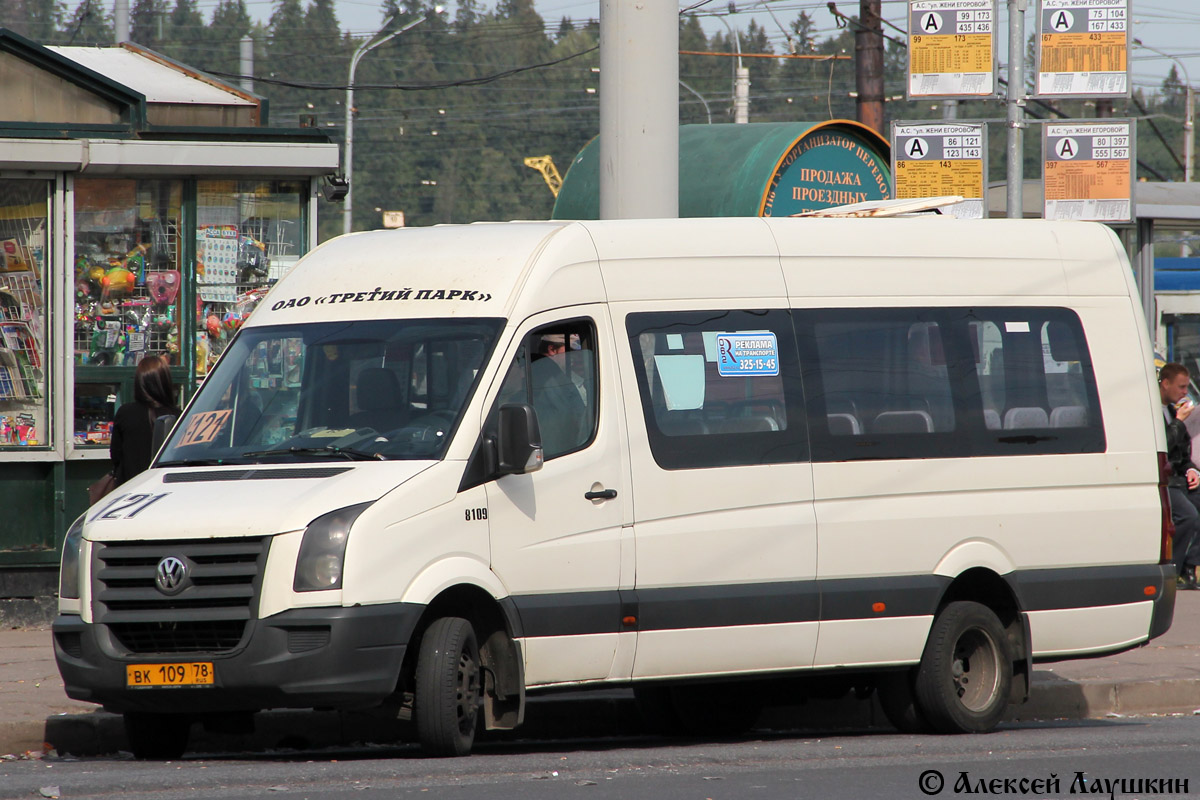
x: 414, y: 87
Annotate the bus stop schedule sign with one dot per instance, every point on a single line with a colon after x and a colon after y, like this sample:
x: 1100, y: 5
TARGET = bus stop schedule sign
x: 1083, y: 48
x: 951, y: 48
x: 1089, y: 170
x: 933, y: 160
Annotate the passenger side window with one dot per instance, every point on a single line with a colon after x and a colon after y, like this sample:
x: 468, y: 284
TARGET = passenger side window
x: 718, y: 388
x: 946, y: 382
x: 555, y: 371
x: 1035, y: 379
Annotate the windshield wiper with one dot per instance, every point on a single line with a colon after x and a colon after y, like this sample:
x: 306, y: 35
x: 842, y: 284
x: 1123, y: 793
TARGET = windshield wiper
x: 193, y: 462
x: 328, y: 450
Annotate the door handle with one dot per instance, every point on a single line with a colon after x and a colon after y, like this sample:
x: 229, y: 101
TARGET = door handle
x: 606, y: 494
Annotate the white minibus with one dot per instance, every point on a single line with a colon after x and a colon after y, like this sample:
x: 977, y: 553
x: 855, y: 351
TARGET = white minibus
x: 440, y: 468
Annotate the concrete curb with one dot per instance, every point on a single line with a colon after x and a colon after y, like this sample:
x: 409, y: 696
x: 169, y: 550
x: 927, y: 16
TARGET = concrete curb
x: 596, y: 714
x: 1063, y: 699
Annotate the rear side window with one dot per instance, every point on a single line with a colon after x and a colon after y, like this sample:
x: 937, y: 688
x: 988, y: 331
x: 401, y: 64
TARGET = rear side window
x: 719, y: 388
x: 1035, y: 380
x: 947, y: 382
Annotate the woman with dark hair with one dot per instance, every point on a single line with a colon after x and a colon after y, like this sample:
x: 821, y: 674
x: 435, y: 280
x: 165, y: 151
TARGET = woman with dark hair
x: 133, y: 428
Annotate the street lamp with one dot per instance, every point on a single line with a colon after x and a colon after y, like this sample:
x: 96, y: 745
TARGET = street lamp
x: 741, y: 81
x: 373, y: 41
x: 1189, y: 120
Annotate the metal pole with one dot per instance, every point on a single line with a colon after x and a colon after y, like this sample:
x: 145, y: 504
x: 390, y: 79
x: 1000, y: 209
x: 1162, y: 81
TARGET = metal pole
x: 741, y: 96
x: 246, y: 66
x: 639, y: 109
x: 348, y: 166
x: 1016, y: 109
x: 868, y: 66
x: 1145, y: 273
x: 121, y: 20
x: 1189, y: 133
x: 949, y: 109
x: 1189, y: 147
x: 741, y: 81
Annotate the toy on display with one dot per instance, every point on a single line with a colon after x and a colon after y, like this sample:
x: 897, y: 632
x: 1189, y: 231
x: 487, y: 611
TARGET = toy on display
x: 19, y: 429
x: 163, y: 286
x: 124, y: 304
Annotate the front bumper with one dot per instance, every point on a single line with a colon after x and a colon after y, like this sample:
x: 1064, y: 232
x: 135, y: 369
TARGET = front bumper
x: 341, y: 658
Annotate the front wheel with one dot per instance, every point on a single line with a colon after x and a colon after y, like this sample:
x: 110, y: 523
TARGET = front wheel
x: 963, y: 680
x: 449, y: 688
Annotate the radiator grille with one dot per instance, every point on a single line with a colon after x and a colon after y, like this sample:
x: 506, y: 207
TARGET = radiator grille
x: 207, y: 613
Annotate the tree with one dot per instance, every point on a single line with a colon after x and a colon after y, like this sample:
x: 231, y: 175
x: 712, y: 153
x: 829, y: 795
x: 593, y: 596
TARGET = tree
x: 188, y: 38
x: 147, y: 23
x: 229, y: 24
x: 1174, y: 93
x: 287, y: 58
x: 91, y: 24
x: 39, y: 20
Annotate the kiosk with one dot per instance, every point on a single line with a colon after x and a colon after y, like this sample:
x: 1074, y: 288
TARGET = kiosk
x: 144, y: 209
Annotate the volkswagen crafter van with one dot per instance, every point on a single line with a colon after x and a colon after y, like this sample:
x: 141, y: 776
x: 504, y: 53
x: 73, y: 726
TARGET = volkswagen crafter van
x: 440, y: 468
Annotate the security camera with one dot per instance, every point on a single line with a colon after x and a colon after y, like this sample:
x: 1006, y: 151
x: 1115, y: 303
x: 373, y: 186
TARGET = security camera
x: 335, y: 188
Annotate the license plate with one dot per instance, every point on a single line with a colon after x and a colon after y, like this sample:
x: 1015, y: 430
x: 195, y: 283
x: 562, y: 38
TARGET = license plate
x: 191, y: 673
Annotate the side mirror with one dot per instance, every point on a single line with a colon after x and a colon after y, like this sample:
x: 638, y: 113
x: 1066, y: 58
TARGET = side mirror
x: 162, y: 429
x: 519, y: 443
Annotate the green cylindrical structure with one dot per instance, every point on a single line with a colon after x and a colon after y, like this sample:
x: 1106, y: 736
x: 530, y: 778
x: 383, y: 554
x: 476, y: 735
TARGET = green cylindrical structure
x: 762, y: 169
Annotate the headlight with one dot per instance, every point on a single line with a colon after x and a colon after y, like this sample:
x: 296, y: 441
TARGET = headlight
x: 323, y: 550
x: 68, y: 574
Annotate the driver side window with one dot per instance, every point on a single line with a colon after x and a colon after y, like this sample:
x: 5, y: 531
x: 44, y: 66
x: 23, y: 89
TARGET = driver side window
x: 555, y: 372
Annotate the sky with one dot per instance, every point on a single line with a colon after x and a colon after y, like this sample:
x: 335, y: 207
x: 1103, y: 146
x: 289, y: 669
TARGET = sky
x: 1172, y: 26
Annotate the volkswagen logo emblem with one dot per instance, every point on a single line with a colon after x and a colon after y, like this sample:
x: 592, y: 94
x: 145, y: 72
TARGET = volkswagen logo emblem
x: 170, y: 575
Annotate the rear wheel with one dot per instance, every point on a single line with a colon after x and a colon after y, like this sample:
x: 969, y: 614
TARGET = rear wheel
x: 963, y: 681
x: 449, y: 688
x: 158, y: 737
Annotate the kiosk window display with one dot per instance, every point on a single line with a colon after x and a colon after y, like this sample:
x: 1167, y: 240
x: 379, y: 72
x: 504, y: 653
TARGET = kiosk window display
x: 248, y: 234
x: 128, y: 285
x: 127, y: 270
x: 24, y: 239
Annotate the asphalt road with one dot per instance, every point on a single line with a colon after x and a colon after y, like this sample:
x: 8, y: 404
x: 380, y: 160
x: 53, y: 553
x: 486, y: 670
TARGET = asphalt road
x: 779, y: 766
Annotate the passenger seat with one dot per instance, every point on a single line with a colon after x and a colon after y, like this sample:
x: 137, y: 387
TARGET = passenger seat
x: 903, y: 422
x: 1021, y: 417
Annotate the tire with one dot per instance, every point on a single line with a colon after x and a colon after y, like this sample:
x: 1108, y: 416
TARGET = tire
x: 449, y: 688
x: 157, y: 737
x: 899, y: 703
x: 965, y: 674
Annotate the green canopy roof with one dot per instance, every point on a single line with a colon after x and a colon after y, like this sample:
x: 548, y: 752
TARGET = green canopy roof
x: 757, y: 169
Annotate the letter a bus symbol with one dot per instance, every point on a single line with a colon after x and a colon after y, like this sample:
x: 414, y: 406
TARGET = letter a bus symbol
x: 1066, y: 148
x: 1063, y: 21
x: 916, y: 147
x: 931, y: 22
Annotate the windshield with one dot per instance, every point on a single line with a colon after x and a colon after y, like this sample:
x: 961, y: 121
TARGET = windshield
x: 378, y: 389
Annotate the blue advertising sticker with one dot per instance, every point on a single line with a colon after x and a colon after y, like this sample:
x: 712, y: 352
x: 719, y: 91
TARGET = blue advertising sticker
x: 747, y: 354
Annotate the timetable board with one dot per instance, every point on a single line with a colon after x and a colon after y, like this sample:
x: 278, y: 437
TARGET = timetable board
x: 938, y: 159
x: 951, y: 48
x: 1083, y: 48
x: 1088, y: 171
